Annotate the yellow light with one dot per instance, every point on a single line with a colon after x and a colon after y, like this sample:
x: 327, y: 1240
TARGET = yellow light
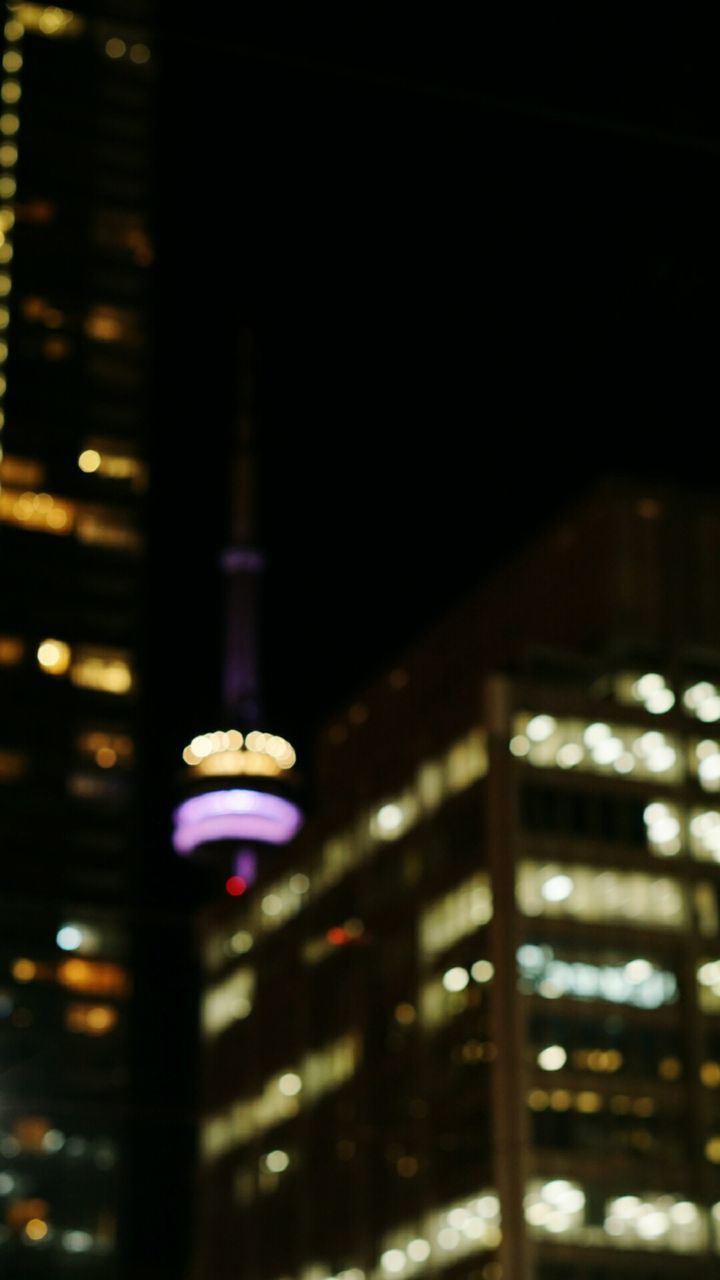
x: 12, y: 61
x: 14, y: 30
x: 8, y: 187
x: 9, y: 123
x: 115, y: 48
x: 670, y: 1068
x: 12, y: 650
x: 24, y: 970
x: 710, y: 1075
x: 89, y: 460
x: 712, y: 1150
x: 405, y: 1014
x: 11, y: 91
x: 5, y: 282
x: 106, y: 757
x: 139, y: 53
x: 54, y: 656
x: 36, y: 1229
x: 588, y: 1101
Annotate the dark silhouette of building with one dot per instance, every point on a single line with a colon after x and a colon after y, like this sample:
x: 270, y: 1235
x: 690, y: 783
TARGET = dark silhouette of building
x: 466, y: 1025
x: 79, y: 1193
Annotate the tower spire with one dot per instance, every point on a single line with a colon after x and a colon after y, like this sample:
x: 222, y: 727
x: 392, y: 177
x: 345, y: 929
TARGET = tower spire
x: 242, y: 561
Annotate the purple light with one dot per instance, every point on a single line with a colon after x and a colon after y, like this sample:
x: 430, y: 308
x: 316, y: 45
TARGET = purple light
x: 239, y: 814
x: 245, y: 864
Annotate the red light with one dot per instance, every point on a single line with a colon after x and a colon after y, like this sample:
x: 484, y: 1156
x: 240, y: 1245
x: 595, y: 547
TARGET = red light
x: 337, y: 936
x: 235, y: 886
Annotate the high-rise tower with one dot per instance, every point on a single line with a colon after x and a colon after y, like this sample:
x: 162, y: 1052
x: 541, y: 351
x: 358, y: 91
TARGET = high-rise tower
x: 238, y: 787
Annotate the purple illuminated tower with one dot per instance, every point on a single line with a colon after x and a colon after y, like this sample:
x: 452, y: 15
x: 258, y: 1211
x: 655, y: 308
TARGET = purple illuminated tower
x: 237, y: 788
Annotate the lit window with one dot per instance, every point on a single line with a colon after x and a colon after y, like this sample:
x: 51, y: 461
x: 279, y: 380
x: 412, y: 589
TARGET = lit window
x: 637, y: 982
x: 54, y: 656
x: 228, y: 1002
x: 596, y: 747
x: 13, y: 764
x: 41, y: 512
x: 107, y: 670
x: 93, y: 977
x: 593, y: 894
x: 24, y: 472
x: 91, y: 1019
x: 48, y: 20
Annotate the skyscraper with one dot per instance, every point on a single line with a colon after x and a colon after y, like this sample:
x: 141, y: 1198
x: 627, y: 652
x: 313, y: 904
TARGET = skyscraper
x: 76, y: 250
x: 465, y: 1025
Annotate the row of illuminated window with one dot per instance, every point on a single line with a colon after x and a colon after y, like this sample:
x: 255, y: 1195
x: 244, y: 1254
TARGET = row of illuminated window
x: 29, y: 1218
x: 436, y: 781
x: 103, y: 322
x: 653, y: 691
x: 608, y: 975
x: 319, y: 1072
x: 10, y: 92
x: 54, y: 22
x: 33, y: 1135
x: 106, y: 750
x: 94, y: 977
x: 558, y: 1209
x: 80, y: 1018
x: 228, y: 1001
x: 94, y: 525
x: 599, y: 895
x: 440, y: 1239
x: 621, y: 750
x: 457, y: 913
x: 89, y: 666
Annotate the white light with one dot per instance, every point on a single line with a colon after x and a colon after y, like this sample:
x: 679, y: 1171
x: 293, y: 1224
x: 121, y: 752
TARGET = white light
x: 272, y: 904
x: 487, y: 1206
x: 569, y: 755
x: 418, y: 1250
x: 661, y: 759
x: 537, y: 1214
x: 557, y: 888
x: 474, y: 1229
x: 683, y: 1212
x: 553, y: 1058
x: 290, y: 1084
x: 665, y: 829
x: 393, y: 1261
x: 608, y: 750
x: 457, y: 1217
x: 652, y: 1225
x: 709, y: 710
x: 448, y: 1238
x: 596, y: 733
x: 624, y: 763
x: 557, y: 1223
x: 299, y: 883
x: 7, y: 1183
x: 659, y: 702
x: 647, y: 685
x: 77, y: 1241
x: 69, y: 937
x: 540, y: 728
x: 53, y: 1140
x: 455, y: 979
x: 277, y: 1161
x: 709, y: 770
x: 638, y: 970
x: 482, y: 971
x: 519, y: 745
x: 389, y: 819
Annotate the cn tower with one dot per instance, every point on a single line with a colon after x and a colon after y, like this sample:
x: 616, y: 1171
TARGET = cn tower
x: 237, y: 786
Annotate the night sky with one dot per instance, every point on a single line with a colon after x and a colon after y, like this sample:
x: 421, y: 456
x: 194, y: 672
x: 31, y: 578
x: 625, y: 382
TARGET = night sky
x: 479, y: 276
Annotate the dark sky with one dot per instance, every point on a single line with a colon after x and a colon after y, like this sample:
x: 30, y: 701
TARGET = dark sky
x: 479, y: 276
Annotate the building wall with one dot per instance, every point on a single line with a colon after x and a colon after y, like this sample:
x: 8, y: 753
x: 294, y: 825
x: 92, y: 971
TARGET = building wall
x: 465, y: 1026
x: 75, y: 269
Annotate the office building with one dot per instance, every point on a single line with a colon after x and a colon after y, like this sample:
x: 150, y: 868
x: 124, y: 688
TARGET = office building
x: 76, y: 252
x: 466, y: 1025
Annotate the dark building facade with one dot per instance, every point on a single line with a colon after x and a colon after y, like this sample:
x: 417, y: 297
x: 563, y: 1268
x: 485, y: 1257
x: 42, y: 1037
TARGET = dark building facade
x: 76, y: 253
x: 467, y: 1024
